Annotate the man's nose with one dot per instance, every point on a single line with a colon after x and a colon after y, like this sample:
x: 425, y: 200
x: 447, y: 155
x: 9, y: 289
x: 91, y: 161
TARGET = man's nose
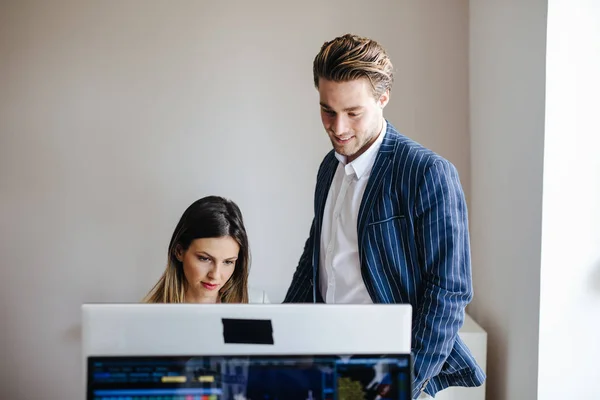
x: 339, y: 125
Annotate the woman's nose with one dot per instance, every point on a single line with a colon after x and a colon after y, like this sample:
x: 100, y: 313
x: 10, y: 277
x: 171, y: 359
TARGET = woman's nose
x: 213, y: 273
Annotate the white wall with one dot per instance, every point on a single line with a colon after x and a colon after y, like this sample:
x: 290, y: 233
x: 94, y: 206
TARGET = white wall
x: 569, y: 348
x: 115, y: 116
x: 507, y: 63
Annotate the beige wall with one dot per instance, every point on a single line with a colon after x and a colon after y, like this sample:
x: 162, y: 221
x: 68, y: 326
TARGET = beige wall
x: 116, y: 115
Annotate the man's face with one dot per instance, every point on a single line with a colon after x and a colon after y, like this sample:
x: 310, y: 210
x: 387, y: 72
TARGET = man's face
x: 351, y: 115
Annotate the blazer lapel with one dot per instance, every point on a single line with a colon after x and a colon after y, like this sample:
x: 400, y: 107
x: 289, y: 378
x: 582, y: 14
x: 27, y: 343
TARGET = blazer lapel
x: 373, y: 189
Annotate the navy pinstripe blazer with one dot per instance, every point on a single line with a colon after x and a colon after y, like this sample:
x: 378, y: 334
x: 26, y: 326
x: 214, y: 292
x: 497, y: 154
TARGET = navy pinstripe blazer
x: 414, y: 248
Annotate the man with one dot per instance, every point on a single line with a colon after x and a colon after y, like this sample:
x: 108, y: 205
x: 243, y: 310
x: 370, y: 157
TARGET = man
x: 390, y: 223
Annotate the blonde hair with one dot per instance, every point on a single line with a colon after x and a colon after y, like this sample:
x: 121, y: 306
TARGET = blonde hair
x: 210, y: 216
x: 351, y: 57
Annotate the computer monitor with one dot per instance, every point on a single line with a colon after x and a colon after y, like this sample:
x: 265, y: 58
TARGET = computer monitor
x: 246, y: 351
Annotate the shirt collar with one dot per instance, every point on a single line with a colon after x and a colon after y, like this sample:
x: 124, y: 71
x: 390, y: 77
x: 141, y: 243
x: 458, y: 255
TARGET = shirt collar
x: 363, y: 164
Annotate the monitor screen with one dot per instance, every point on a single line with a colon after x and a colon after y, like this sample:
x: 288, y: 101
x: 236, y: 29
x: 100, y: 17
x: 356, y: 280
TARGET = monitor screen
x: 239, y: 377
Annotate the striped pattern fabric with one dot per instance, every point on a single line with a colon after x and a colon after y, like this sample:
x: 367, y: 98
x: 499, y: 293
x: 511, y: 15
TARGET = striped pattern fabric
x: 414, y: 248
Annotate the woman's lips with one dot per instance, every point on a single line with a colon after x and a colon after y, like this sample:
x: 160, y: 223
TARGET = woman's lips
x: 209, y: 286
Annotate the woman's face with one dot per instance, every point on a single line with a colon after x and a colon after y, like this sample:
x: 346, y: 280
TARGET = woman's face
x: 208, y: 264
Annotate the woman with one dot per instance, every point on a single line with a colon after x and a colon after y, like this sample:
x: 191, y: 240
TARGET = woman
x: 209, y: 257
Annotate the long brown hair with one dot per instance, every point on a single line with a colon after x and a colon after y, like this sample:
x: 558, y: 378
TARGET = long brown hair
x: 208, y: 217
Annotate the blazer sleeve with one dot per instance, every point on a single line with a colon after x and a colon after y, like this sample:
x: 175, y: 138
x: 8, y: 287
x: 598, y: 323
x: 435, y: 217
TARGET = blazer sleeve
x: 300, y: 290
x: 443, y: 241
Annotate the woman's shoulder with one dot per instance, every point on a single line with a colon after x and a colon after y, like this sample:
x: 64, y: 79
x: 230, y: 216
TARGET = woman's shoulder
x: 257, y: 296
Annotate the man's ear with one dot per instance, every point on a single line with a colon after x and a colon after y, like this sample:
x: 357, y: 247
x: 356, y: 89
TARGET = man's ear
x: 384, y: 99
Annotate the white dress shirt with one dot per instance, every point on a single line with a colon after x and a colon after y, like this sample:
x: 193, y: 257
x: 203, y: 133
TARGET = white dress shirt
x: 340, y: 279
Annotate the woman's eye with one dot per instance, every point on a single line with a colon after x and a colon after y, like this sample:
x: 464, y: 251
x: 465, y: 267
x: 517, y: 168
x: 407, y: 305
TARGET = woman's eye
x: 229, y: 262
x: 203, y: 259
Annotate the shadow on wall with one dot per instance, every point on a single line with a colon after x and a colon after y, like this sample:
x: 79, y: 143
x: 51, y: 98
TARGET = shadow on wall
x: 595, y: 278
x: 73, y: 335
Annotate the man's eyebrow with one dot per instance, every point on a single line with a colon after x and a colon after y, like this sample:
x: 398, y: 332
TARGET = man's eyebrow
x: 348, y: 109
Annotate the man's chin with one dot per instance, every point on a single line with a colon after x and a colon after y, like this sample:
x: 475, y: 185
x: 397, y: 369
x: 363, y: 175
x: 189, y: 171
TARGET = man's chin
x: 344, y: 151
